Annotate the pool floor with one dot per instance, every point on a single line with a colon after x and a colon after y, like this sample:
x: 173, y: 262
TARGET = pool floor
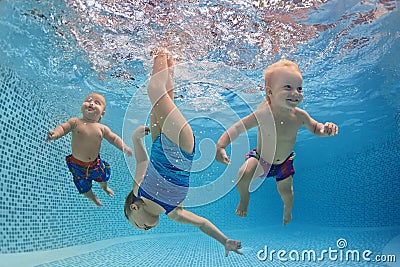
x: 332, y: 247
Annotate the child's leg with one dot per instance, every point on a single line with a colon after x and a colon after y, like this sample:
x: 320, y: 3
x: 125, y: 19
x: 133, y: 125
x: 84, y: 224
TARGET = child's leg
x: 93, y: 197
x: 109, y: 191
x: 155, y: 128
x: 249, y: 170
x: 285, y: 189
x: 170, y: 119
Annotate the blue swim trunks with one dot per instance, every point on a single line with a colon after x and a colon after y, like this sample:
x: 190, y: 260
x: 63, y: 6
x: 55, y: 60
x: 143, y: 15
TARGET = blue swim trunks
x: 279, y: 171
x: 85, y: 172
x: 166, y: 181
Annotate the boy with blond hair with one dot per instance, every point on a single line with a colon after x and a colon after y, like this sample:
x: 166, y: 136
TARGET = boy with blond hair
x: 278, y: 120
x: 85, y: 163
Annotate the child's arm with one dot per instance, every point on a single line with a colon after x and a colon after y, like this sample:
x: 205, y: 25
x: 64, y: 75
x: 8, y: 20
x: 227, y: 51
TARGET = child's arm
x: 140, y: 150
x: 61, y: 130
x: 317, y: 128
x: 116, y: 141
x: 231, y: 134
x: 140, y: 153
x: 183, y: 216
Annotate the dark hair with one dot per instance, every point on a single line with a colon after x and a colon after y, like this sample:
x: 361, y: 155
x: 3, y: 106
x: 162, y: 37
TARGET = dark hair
x: 130, y: 199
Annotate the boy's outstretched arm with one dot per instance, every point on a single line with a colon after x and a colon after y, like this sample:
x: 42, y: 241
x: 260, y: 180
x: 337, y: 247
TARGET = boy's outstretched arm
x: 140, y: 153
x: 231, y: 134
x: 61, y: 130
x: 319, y: 129
x: 116, y: 141
x: 183, y: 216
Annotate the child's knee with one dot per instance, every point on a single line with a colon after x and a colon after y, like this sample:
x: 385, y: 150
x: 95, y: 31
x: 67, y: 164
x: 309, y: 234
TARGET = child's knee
x: 285, y: 187
x: 245, y: 172
x: 286, y: 191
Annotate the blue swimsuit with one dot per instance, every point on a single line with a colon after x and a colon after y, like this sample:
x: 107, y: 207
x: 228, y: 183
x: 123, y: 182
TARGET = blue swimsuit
x: 86, y: 172
x: 166, y: 181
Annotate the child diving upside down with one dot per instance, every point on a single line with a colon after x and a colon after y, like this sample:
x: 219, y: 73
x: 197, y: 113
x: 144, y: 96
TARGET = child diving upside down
x: 161, y: 184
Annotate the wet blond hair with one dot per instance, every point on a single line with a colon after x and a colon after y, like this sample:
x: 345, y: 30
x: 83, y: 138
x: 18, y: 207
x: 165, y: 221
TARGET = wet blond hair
x: 283, y: 63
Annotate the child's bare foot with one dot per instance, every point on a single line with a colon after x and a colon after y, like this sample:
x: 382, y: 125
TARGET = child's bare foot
x: 241, y: 209
x: 287, y: 215
x: 109, y: 191
x: 97, y: 202
x: 93, y: 198
x: 159, y: 52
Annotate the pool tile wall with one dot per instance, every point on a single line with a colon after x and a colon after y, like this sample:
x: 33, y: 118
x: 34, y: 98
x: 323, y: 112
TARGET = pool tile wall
x: 40, y: 208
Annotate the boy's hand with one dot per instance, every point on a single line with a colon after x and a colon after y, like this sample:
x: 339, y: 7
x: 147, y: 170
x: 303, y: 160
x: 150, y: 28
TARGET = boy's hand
x: 140, y: 132
x: 221, y: 156
x: 329, y: 129
x: 51, y: 135
x: 232, y: 245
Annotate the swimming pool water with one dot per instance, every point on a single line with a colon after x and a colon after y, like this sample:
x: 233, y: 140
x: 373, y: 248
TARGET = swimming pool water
x: 346, y: 187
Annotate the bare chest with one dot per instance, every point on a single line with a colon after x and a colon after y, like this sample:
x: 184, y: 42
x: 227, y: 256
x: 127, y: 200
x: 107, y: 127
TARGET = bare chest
x: 286, y: 130
x: 88, y: 130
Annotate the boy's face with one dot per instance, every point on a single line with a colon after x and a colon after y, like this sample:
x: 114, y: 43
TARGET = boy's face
x: 93, y: 107
x: 141, y: 219
x: 286, y: 88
